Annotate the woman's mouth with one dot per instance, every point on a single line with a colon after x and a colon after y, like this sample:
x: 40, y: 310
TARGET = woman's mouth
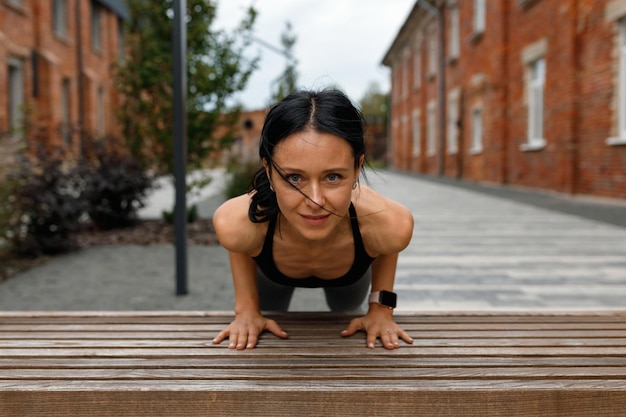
x: 315, y: 220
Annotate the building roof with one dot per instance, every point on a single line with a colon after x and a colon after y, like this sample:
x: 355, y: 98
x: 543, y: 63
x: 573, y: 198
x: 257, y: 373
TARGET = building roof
x: 119, y: 7
x: 406, y: 30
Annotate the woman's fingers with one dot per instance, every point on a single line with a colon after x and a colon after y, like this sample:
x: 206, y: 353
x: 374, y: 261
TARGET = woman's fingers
x: 246, y: 336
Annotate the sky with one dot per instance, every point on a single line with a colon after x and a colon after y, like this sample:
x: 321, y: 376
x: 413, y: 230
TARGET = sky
x: 339, y: 42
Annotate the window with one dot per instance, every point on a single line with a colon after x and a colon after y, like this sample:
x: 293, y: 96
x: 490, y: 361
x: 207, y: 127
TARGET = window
x: 405, y: 74
x: 431, y: 126
x: 479, y: 16
x: 621, y: 87
x: 536, y: 84
x: 96, y: 26
x: 59, y: 17
x: 453, y: 119
x: 395, y: 82
x: 15, y: 3
x: 454, y: 45
x: 66, y: 133
x: 121, y: 40
x: 432, y: 53
x: 16, y: 95
x: 417, y: 69
x: 477, y: 131
x: 100, y: 111
x: 416, y: 133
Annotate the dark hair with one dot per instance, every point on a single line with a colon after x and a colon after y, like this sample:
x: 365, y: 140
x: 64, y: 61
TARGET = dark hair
x: 326, y: 111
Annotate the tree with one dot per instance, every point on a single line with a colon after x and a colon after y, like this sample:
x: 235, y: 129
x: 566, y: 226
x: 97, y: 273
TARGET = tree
x: 289, y: 78
x: 216, y: 69
x: 374, y: 106
x: 374, y: 102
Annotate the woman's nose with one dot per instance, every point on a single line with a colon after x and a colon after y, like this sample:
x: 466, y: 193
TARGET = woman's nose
x: 316, y: 196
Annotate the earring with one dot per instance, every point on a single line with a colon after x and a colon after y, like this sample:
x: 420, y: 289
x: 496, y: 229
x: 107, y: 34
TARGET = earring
x: 355, y: 185
x: 271, y: 187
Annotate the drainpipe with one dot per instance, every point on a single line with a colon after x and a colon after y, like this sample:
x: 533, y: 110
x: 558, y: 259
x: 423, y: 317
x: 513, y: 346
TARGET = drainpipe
x: 432, y: 10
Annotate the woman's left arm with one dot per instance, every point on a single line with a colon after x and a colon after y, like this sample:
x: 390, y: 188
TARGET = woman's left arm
x: 378, y: 322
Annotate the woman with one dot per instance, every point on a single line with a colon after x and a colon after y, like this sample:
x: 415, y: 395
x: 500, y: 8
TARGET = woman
x: 307, y: 222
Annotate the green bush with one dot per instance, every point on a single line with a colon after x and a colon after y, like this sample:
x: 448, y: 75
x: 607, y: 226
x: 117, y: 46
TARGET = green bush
x: 114, y: 185
x: 192, y: 214
x: 44, y: 207
x: 240, y: 175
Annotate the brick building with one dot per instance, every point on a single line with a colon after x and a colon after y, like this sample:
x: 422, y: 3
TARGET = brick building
x: 529, y: 93
x: 55, y: 67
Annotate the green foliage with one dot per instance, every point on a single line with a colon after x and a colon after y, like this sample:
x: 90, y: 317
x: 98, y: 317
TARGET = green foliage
x: 287, y: 83
x: 114, y: 184
x: 50, y: 195
x: 241, y: 173
x: 374, y: 102
x: 44, y: 206
x: 192, y: 214
x: 216, y: 69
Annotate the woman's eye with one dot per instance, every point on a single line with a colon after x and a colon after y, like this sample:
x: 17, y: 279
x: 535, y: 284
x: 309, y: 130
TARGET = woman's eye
x: 333, y: 177
x: 294, y: 178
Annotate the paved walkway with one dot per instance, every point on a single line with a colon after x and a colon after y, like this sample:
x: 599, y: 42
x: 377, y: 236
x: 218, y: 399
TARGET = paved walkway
x: 474, y: 248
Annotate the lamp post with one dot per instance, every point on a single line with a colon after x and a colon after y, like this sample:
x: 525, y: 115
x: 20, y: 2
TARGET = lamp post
x: 180, y: 143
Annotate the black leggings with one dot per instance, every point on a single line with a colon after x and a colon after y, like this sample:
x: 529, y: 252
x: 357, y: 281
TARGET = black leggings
x: 276, y: 297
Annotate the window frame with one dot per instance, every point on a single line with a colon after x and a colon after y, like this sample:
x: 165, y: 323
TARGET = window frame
x: 453, y: 115
x: 535, y: 120
x: 477, y: 130
x: 96, y: 26
x: 530, y: 56
x: 66, y: 99
x: 416, y: 134
x: 60, y: 18
x: 454, y: 44
x: 431, y: 129
x: 620, y: 85
x: 479, y: 17
x: 16, y: 98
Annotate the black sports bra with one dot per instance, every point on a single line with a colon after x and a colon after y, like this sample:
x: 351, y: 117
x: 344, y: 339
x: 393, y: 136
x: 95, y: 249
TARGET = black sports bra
x: 362, y: 261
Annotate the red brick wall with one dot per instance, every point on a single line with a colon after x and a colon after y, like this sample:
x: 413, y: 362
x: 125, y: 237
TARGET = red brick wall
x: 579, y: 95
x: 29, y: 28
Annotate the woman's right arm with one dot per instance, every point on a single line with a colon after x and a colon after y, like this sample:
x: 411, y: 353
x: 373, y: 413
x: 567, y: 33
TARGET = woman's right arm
x: 249, y: 323
x: 238, y: 235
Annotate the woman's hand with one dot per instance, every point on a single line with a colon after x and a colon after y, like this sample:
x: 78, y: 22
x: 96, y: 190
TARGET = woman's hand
x: 378, y: 323
x: 244, y: 331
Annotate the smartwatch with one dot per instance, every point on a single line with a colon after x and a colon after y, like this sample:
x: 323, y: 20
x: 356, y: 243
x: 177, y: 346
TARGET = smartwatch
x: 385, y: 298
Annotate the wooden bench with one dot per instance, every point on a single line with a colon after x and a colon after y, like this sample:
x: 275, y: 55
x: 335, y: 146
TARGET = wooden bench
x: 164, y: 364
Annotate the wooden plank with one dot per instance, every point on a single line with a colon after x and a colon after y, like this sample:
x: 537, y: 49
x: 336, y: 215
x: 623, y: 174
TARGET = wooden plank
x: 188, y: 335
x: 165, y: 364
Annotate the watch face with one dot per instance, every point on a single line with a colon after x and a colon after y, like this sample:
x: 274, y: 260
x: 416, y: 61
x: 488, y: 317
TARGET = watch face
x: 388, y: 298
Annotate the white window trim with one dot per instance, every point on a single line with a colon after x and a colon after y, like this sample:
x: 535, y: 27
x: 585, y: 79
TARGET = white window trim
x: 452, y: 137
x: 479, y: 19
x: 530, y: 56
x: 620, y: 105
x: 535, y: 84
x: 455, y: 45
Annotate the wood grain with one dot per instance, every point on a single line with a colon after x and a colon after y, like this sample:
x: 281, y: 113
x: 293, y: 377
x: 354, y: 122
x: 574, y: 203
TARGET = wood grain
x: 164, y: 364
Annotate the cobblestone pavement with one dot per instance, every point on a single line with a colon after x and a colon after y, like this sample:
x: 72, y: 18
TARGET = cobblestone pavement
x: 474, y: 248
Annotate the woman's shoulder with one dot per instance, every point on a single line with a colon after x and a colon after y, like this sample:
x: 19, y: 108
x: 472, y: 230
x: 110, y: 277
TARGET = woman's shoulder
x: 386, y: 225
x: 234, y: 229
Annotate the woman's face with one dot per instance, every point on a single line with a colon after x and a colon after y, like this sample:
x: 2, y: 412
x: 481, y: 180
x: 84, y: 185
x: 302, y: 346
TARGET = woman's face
x: 321, y: 165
